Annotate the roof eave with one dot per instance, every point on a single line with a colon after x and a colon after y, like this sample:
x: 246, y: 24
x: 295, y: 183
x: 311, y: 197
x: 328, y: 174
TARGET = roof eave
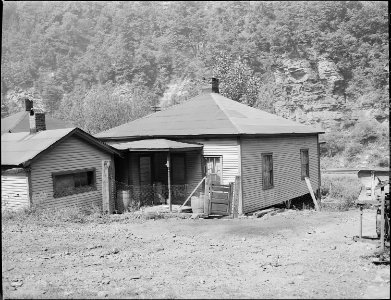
x: 148, y: 136
x: 165, y: 149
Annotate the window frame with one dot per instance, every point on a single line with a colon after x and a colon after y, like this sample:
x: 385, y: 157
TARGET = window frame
x: 270, y: 184
x: 221, y: 162
x: 307, y: 169
x: 71, y: 172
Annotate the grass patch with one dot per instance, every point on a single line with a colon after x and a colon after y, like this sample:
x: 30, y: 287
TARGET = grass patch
x: 343, y: 189
x: 93, y: 214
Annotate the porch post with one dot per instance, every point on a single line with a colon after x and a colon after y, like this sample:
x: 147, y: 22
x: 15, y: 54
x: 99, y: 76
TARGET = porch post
x: 169, y: 178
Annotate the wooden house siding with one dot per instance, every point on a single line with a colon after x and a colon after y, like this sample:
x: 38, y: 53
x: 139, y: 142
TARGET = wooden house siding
x: 14, y: 191
x: 286, y: 169
x: 193, y: 171
x: 71, y: 154
x: 228, y: 149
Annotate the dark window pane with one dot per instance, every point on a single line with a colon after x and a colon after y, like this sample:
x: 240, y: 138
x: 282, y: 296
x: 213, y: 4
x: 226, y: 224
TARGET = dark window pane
x: 90, y: 178
x: 267, y: 170
x: 73, y: 183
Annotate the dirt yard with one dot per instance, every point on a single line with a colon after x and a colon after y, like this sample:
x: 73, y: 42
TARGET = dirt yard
x: 294, y: 254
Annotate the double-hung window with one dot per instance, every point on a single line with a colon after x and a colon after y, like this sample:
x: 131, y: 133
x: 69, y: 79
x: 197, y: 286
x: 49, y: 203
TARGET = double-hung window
x: 305, y: 163
x: 267, y: 171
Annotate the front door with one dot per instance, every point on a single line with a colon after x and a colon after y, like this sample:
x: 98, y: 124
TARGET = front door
x: 214, y: 167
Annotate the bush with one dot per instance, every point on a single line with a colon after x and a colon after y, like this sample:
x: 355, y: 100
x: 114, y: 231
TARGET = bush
x: 335, y: 143
x: 384, y: 162
x: 366, y: 131
x: 345, y: 189
x: 353, y: 149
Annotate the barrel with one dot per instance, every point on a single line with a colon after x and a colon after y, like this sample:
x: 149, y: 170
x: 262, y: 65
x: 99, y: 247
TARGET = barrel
x: 123, y: 200
x: 197, y: 205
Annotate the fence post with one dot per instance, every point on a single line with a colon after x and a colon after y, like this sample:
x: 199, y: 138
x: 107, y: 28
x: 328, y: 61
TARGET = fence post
x: 382, y: 220
x: 235, y: 202
x: 207, y: 196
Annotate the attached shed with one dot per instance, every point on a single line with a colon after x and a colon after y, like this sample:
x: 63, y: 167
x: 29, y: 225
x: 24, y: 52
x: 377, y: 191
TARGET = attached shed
x: 272, y: 155
x: 56, y: 169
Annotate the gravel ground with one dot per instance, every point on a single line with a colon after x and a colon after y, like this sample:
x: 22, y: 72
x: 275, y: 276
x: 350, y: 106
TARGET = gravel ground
x: 293, y: 254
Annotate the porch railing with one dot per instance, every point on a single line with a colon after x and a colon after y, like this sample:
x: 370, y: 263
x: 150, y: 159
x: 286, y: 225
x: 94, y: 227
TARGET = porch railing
x: 148, y: 195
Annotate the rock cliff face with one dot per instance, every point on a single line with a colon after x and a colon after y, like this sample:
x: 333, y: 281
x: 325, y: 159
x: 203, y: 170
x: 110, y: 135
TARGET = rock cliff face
x: 314, y: 93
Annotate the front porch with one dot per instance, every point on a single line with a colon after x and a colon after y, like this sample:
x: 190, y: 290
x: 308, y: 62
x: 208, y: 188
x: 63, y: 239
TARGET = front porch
x: 156, y: 171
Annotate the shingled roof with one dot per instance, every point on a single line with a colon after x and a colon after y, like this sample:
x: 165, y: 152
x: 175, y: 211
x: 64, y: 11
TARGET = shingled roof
x: 19, y: 149
x: 19, y: 122
x: 207, y: 114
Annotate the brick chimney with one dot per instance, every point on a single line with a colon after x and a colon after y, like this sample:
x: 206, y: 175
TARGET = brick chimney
x: 37, y: 121
x: 212, y: 86
x: 28, y: 104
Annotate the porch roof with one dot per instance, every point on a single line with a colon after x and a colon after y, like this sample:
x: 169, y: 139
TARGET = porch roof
x: 155, y: 145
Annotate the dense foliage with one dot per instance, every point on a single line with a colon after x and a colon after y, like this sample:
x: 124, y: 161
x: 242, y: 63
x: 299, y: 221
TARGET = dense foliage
x: 101, y: 64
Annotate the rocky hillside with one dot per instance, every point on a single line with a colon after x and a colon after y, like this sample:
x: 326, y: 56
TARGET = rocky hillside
x: 314, y: 92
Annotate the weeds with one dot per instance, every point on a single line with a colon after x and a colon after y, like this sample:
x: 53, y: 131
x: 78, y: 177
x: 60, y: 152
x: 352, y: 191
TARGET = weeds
x: 74, y: 214
x: 344, y: 189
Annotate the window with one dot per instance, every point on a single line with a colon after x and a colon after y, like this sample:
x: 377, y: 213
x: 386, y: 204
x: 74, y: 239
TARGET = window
x: 73, y: 182
x: 267, y: 171
x: 214, y: 166
x: 305, y: 164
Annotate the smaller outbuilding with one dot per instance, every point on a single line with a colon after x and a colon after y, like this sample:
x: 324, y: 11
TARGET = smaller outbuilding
x: 55, y: 169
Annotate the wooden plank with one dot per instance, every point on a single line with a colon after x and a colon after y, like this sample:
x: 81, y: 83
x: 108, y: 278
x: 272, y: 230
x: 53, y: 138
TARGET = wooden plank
x: 207, y: 196
x: 261, y: 213
x: 307, y: 180
x: 106, y: 186
x: 236, y: 195
x: 220, y: 201
x: 219, y: 209
x: 220, y: 195
x: 169, y: 179
x: 230, y: 196
x: 220, y: 188
x: 382, y: 220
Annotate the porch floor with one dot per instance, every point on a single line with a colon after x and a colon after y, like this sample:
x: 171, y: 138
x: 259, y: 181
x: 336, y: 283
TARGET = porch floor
x: 166, y: 208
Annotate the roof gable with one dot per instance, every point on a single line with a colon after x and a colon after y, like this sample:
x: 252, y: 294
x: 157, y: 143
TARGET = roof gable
x: 207, y: 114
x: 21, y: 148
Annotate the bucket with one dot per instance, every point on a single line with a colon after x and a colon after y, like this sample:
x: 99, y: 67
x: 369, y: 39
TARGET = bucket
x: 123, y: 200
x: 197, y: 205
